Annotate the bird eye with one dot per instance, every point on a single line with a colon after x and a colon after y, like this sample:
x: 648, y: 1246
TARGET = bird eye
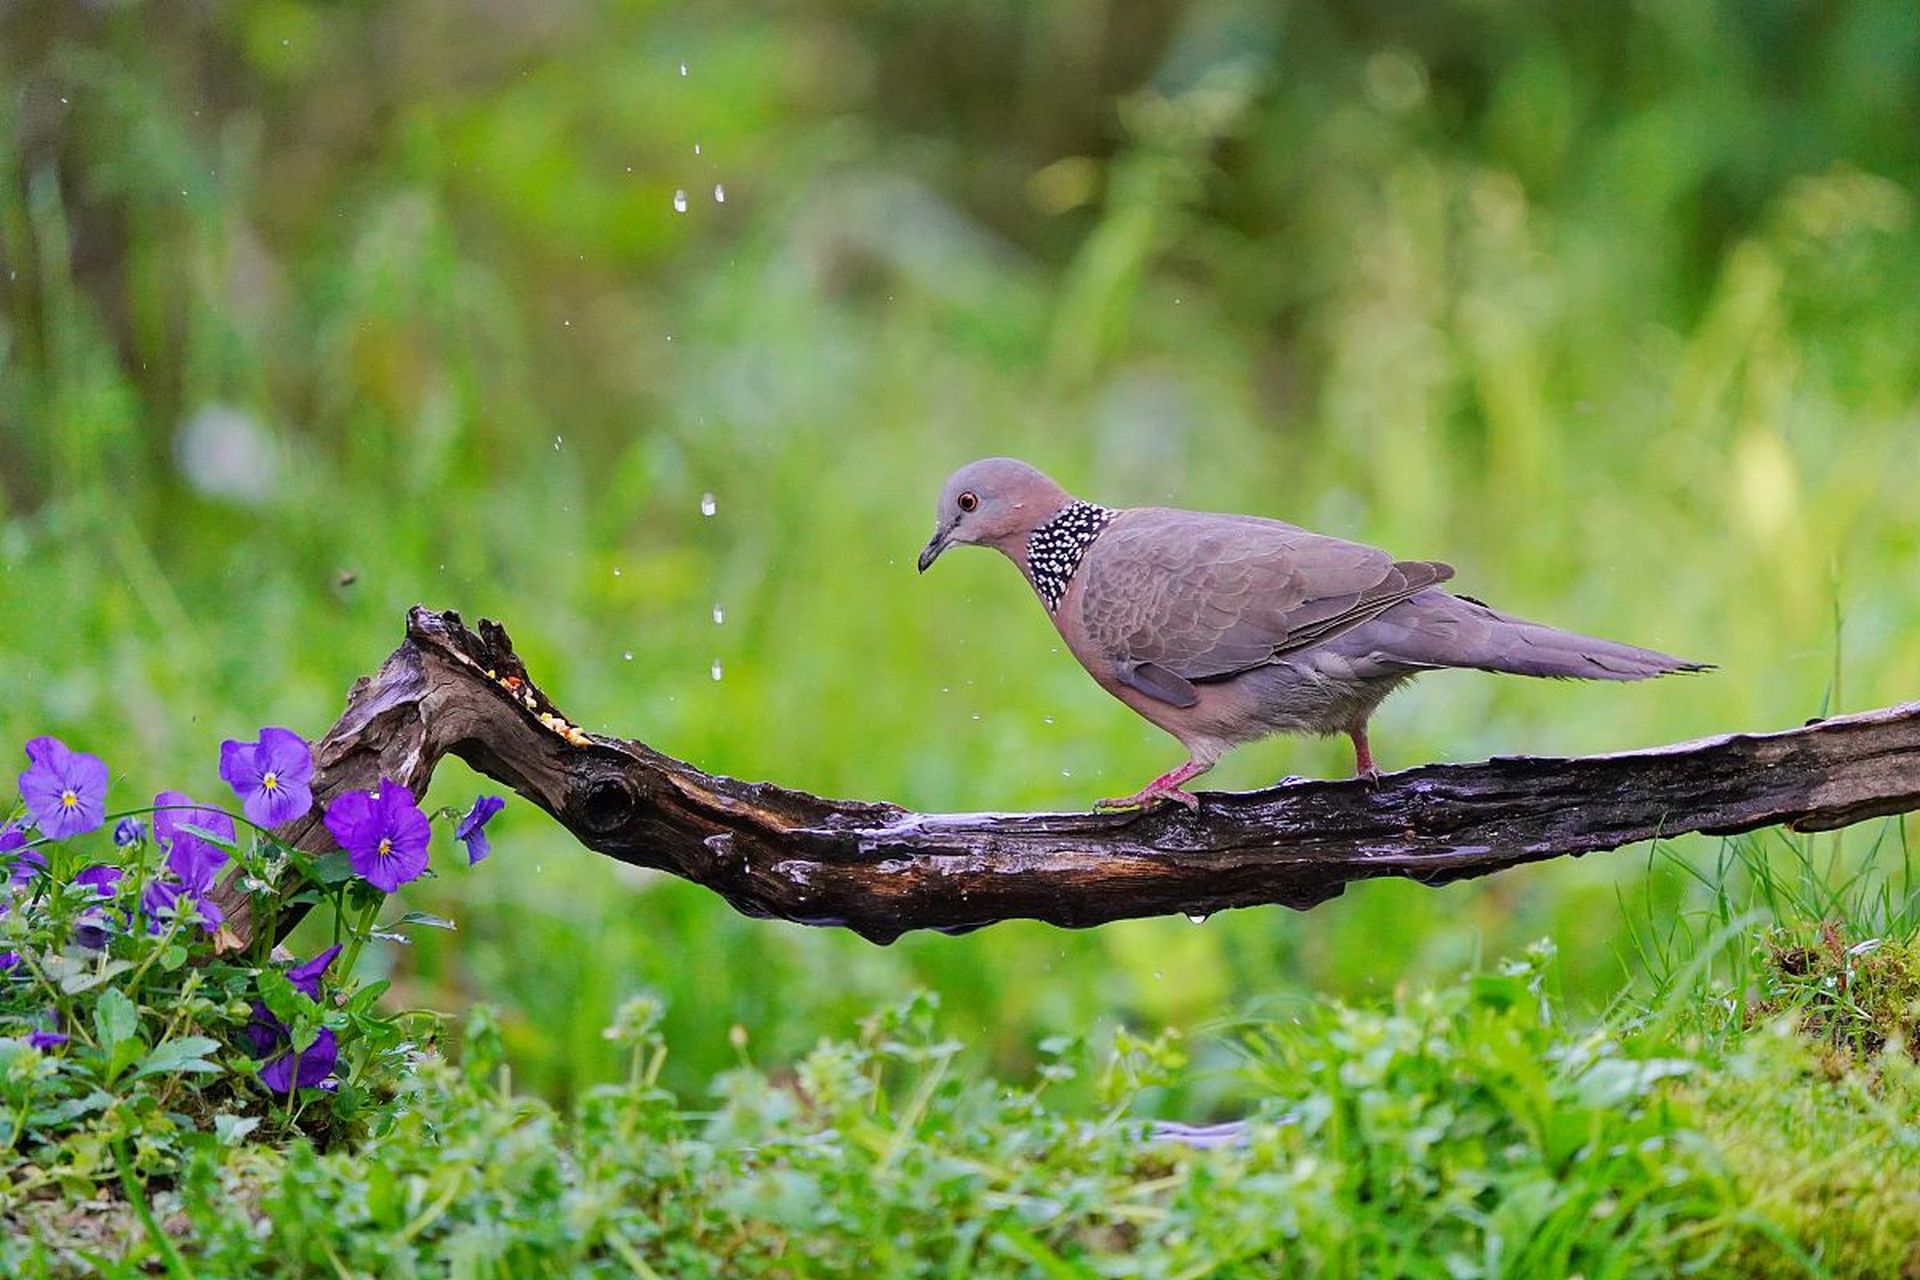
x: 969, y: 500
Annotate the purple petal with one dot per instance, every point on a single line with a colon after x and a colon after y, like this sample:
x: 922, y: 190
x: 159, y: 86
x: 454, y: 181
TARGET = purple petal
x: 306, y: 1069
x: 237, y: 768
x: 93, y: 929
x: 197, y: 863
x: 46, y: 1039
x: 176, y: 812
x: 25, y: 865
x: 278, y: 805
x: 264, y: 1031
x: 129, y: 832
x: 162, y: 898
x: 306, y: 977
x: 11, y: 838
x: 103, y: 878
x: 354, y: 822
x: 473, y: 828
x: 8, y: 959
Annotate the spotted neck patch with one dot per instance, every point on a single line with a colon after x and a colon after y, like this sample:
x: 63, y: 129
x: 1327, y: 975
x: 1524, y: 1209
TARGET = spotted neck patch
x: 1054, y: 550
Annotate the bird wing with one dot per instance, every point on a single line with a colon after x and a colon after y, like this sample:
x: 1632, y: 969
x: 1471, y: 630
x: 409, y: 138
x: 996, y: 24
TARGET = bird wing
x: 1174, y: 598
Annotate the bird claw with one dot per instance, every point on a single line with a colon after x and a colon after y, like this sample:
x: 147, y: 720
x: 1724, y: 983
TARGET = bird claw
x: 1151, y: 796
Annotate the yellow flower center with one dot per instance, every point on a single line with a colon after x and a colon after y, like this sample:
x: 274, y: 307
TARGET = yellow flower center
x: 386, y: 847
x: 68, y: 800
x: 270, y: 781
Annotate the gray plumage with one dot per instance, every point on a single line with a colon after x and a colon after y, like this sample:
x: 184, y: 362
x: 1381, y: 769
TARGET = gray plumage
x: 1222, y: 629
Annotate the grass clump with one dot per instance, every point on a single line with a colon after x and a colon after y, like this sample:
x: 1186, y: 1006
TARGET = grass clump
x: 1471, y: 1130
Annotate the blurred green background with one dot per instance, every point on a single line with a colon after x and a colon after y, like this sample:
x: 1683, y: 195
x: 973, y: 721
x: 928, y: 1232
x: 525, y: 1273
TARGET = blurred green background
x: 315, y: 311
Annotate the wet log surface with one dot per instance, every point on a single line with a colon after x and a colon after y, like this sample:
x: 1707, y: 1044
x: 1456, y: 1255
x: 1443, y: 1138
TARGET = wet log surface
x: 881, y: 871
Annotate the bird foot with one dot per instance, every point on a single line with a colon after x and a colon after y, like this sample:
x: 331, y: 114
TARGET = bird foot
x: 1149, y: 796
x: 1164, y: 787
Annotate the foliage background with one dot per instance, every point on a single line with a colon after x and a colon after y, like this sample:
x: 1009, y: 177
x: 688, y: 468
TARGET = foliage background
x: 313, y: 311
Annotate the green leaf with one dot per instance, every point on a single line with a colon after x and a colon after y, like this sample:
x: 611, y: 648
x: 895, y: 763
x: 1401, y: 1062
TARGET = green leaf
x: 75, y: 976
x: 431, y: 921
x: 181, y: 1054
x: 332, y: 868
x: 115, y: 1018
x: 232, y: 1130
x: 173, y: 957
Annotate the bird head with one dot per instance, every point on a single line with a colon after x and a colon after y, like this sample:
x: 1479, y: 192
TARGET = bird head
x: 994, y: 502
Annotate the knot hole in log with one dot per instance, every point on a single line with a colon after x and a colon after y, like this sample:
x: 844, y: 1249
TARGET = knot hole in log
x: 608, y: 804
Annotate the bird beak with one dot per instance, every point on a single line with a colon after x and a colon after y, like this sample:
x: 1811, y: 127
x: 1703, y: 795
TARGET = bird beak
x: 935, y: 545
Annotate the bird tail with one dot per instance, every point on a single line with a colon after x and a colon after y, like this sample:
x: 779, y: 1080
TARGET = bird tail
x: 1458, y: 631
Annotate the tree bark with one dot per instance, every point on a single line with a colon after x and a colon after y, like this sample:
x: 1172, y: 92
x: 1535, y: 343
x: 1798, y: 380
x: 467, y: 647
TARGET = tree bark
x: 880, y: 870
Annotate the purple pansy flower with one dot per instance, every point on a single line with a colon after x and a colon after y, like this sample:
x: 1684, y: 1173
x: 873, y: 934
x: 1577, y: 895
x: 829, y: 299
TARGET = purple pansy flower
x: 94, y: 926
x: 177, y: 820
x: 307, y: 1068
x: 266, y: 1034
x: 270, y: 776
x: 128, y: 832
x: 65, y: 790
x: 472, y: 830
x: 306, y: 977
x: 384, y: 833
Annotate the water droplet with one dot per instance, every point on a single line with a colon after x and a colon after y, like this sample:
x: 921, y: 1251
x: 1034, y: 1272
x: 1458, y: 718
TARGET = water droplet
x: 719, y: 614
x: 616, y: 571
x: 679, y: 200
x: 1046, y: 719
x: 1066, y: 773
x: 707, y: 504
x: 683, y: 68
x: 696, y: 148
x: 628, y: 655
x: 1196, y: 917
x: 719, y: 194
x: 714, y: 670
x: 976, y: 715
x: 556, y: 444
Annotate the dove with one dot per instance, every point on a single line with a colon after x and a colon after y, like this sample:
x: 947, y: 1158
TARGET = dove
x: 1224, y: 629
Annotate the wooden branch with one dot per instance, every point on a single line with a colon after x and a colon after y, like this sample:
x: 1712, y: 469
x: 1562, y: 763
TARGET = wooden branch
x: 881, y: 870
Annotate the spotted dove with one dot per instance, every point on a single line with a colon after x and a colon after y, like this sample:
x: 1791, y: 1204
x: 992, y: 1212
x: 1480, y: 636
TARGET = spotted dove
x: 1222, y: 629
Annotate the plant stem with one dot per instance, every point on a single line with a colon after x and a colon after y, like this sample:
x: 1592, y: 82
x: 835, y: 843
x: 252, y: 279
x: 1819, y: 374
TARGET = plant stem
x: 137, y: 1197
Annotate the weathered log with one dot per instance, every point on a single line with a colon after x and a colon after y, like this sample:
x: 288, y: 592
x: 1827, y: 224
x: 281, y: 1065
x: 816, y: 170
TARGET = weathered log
x: 880, y: 870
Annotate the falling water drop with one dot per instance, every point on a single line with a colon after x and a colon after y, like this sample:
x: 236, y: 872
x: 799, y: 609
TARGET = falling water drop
x: 707, y: 505
x: 556, y: 444
x: 714, y: 670
x: 679, y: 200
x: 1196, y: 917
x: 719, y: 193
x: 719, y: 614
x: 1046, y: 719
x: 628, y: 655
x: 616, y: 571
x: 696, y: 148
x: 683, y: 68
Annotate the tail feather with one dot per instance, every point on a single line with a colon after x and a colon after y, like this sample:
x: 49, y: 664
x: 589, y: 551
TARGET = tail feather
x: 1435, y: 629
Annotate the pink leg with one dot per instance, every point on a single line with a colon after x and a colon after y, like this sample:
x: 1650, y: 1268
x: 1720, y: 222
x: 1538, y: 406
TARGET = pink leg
x: 1363, y: 766
x: 1164, y: 787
